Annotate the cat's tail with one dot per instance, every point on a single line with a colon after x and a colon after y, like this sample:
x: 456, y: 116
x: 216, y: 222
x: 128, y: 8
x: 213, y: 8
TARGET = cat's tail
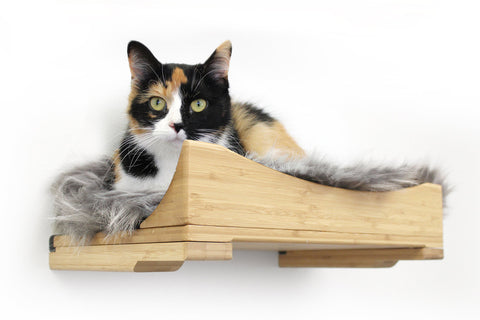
x: 84, y: 204
x: 360, y: 176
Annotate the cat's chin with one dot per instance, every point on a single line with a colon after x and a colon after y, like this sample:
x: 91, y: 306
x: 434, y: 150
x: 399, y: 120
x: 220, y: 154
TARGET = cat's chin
x: 177, y: 139
x: 171, y: 137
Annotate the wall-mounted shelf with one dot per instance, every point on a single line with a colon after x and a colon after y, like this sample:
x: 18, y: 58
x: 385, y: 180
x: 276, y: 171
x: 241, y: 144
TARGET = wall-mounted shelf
x: 219, y: 201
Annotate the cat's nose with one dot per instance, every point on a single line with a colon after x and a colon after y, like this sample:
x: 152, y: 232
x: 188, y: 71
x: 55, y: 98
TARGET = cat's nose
x: 176, y: 126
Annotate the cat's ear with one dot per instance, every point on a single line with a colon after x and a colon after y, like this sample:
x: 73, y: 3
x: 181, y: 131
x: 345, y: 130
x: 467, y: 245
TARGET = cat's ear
x: 218, y: 63
x: 142, y: 62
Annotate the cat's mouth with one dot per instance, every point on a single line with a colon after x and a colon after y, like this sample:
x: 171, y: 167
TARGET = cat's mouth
x: 179, y: 136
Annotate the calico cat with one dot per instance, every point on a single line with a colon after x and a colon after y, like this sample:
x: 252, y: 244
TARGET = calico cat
x: 169, y: 103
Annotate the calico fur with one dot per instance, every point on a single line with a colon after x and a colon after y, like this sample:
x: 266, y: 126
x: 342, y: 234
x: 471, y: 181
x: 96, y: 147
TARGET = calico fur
x: 150, y: 149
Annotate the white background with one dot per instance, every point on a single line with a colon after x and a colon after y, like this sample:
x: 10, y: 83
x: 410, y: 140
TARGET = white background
x: 387, y: 80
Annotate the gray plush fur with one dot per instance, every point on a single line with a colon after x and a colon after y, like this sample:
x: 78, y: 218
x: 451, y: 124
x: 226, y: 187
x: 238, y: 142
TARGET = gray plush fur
x: 84, y: 204
x: 360, y: 176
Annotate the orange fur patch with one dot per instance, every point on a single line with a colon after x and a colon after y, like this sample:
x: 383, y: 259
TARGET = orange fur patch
x: 166, y: 92
x: 131, y: 96
x: 178, y: 77
x: 261, y: 137
x: 116, y: 165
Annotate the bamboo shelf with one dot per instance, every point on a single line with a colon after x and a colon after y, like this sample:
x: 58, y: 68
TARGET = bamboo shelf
x: 219, y: 201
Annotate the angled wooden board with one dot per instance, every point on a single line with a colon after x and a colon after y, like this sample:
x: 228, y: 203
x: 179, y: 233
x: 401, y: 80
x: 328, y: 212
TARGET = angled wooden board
x: 216, y: 187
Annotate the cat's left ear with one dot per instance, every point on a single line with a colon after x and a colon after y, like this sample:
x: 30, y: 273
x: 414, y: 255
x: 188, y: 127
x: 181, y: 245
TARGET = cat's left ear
x: 218, y: 63
x: 142, y: 62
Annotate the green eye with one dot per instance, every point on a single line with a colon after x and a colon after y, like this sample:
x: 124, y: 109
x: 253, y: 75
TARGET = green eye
x: 157, y: 103
x: 198, y: 105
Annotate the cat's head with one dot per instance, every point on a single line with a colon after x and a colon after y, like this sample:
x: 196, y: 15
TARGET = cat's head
x: 173, y: 102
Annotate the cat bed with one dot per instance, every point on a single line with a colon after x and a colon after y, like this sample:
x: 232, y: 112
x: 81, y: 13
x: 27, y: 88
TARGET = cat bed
x: 219, y: 201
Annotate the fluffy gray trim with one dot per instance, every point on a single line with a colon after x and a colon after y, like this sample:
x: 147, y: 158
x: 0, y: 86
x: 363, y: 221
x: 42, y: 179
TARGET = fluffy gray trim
x: 84, y: 204
x: 361, y: 176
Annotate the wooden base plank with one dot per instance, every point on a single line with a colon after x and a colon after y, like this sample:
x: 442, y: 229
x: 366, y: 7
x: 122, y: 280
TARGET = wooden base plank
x: 137, y: 257
x: 359, y: 258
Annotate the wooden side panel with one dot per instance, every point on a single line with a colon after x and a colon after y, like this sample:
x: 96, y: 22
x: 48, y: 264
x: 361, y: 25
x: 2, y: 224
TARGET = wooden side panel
x: 255, y: 238
x: 225, y: 189
x: 209, y: 251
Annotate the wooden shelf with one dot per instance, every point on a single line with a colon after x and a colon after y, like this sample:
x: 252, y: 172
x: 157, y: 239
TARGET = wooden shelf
x: 219, y: 201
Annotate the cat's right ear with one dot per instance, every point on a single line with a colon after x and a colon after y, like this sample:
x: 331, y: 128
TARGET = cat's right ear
x: 142, y: 62
x: 218, y: 63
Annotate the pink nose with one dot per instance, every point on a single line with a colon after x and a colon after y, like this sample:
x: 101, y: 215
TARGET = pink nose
x: 176, y: 126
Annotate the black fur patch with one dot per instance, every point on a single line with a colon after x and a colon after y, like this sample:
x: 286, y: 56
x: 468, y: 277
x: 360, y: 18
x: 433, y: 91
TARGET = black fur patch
x: 235, y: 144
x: 141, y: 112
x: 135, y: 160
x: 199, y: 85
